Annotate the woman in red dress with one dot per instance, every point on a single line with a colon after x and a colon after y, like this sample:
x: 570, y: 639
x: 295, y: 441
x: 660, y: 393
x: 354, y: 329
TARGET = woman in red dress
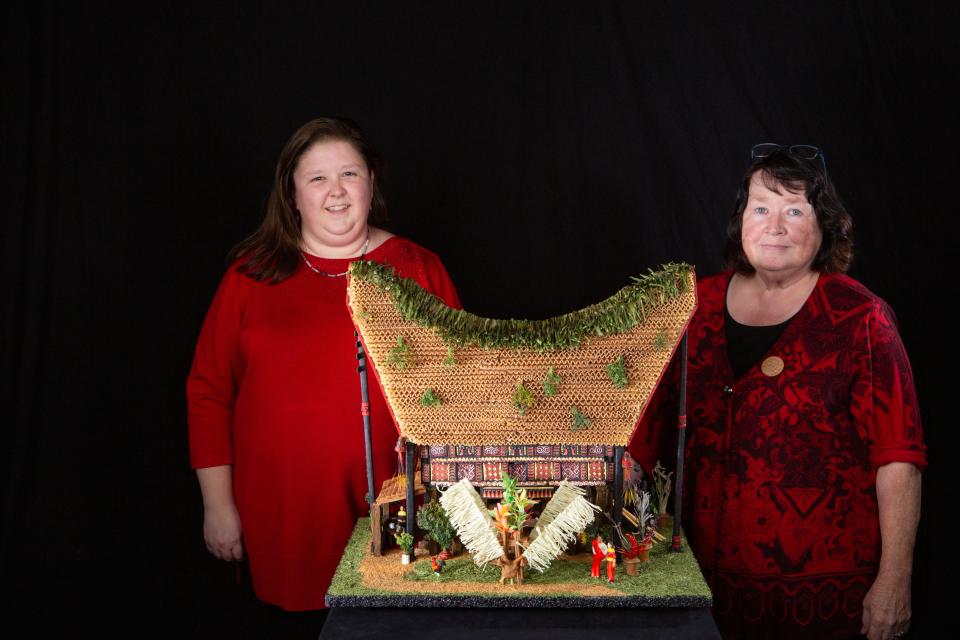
x: 276, y: 434
x: 804, y: 449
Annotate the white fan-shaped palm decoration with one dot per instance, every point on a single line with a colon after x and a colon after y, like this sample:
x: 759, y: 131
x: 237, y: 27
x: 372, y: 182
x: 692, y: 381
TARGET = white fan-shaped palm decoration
x: 567, y: 514
x: 468, y: 515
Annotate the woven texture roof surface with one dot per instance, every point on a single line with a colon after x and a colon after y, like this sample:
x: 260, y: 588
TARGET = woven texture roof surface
x: 476, y: 393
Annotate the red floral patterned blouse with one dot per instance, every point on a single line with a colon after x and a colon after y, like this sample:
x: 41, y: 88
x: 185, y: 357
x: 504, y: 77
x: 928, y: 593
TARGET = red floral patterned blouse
x: 780, y: 500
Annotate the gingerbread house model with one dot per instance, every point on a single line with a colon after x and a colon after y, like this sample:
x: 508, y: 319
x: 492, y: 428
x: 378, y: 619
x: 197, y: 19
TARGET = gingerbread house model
x: 543, y: 401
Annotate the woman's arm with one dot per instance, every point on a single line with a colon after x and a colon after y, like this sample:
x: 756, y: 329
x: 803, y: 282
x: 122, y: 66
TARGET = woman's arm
x: 886, y: 607
x: 211, y: 394
x: 884, y: 403
x: 221, y: 522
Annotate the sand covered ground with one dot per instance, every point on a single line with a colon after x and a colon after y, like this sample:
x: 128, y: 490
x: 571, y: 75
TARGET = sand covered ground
x: 385, y: 572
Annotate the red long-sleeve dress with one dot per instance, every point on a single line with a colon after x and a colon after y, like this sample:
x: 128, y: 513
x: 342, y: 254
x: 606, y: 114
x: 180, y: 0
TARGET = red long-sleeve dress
x: 274, y: 391
x: 780, y: 502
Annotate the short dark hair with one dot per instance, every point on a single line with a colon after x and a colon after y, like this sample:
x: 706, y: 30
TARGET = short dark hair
x: 798, y: 175
x: 272, y: 252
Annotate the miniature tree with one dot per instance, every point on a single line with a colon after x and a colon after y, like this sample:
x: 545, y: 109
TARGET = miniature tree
x: 433, y: 519
x: 513, y: 512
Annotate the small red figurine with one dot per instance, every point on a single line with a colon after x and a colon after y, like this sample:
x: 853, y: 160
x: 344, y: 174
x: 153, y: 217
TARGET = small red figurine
x: 599, y: 552
x: 611, y: 562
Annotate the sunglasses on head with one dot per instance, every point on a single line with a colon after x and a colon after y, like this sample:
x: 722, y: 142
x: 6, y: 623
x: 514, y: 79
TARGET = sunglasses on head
x: 801, y: 151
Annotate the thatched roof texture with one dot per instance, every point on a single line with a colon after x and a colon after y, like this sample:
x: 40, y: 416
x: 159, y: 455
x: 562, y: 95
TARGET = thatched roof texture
x: 454, y: 378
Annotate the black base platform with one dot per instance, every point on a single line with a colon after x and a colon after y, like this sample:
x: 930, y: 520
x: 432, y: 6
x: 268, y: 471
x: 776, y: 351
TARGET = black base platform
x: 528, y: 624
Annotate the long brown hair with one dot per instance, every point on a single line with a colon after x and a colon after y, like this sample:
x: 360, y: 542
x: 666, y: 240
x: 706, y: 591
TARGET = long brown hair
x: 272, y: 252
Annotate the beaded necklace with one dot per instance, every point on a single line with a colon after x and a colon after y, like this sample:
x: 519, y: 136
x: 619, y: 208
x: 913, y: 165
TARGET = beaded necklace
x: 366, y: 245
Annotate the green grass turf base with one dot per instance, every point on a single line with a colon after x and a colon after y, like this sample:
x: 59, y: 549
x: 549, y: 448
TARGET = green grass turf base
x: 668, y: 580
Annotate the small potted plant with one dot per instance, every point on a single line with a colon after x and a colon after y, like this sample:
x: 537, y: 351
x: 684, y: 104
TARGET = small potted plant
x: 636, y: 553
x: 405, y: 540
x: 631, y: 555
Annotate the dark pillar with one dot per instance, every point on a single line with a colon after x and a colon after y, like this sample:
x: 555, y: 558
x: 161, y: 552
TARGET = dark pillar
x: 365, y: 412
x: 411, y: 480
x: 681, y: 441
x: 618, y: 486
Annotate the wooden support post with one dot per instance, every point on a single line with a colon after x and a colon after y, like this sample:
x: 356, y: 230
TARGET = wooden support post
x: 379, y: 515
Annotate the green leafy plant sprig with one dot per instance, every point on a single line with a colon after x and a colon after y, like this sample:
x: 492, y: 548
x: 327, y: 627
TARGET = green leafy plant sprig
x: 451, y: 359
x: 405, y: 540
x: 522, y: 399
x: 516, y: 501
x: 551, y: 383
x: 400, y: 356
x: 580, y: 421
x: 660, y: 341
x: 430, y: 399
x: 617, y: 372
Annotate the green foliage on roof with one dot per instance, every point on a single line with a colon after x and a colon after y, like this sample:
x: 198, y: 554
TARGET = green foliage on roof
x: 451, y: 359
x: 522, y: 399
x: 551, y: 383
x: 580, y: 421
x: 619, y: 313
x: 430, y: 399
x: 400, y: 357
x: 617, y: 373
x: 660, y: 342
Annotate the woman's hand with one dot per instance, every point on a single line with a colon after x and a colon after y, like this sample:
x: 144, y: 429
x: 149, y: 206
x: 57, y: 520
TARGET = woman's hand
x: 222, y: 532
x: 886, y: 607
x: 221, y: 520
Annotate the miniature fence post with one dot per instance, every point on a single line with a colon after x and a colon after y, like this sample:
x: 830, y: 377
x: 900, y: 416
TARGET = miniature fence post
x: 365, y: 412
x: 681, y: 444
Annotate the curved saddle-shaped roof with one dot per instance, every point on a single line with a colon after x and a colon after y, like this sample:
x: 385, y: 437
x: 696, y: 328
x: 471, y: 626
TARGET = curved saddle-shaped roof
x: 585, y: 378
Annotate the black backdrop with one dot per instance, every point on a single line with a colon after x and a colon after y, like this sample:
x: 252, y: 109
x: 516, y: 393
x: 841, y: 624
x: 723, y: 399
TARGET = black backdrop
x: 545, y: 152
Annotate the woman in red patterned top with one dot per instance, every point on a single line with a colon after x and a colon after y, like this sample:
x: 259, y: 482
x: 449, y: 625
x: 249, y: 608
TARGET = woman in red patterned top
x: 273, y: 396
x: 804, y: 450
